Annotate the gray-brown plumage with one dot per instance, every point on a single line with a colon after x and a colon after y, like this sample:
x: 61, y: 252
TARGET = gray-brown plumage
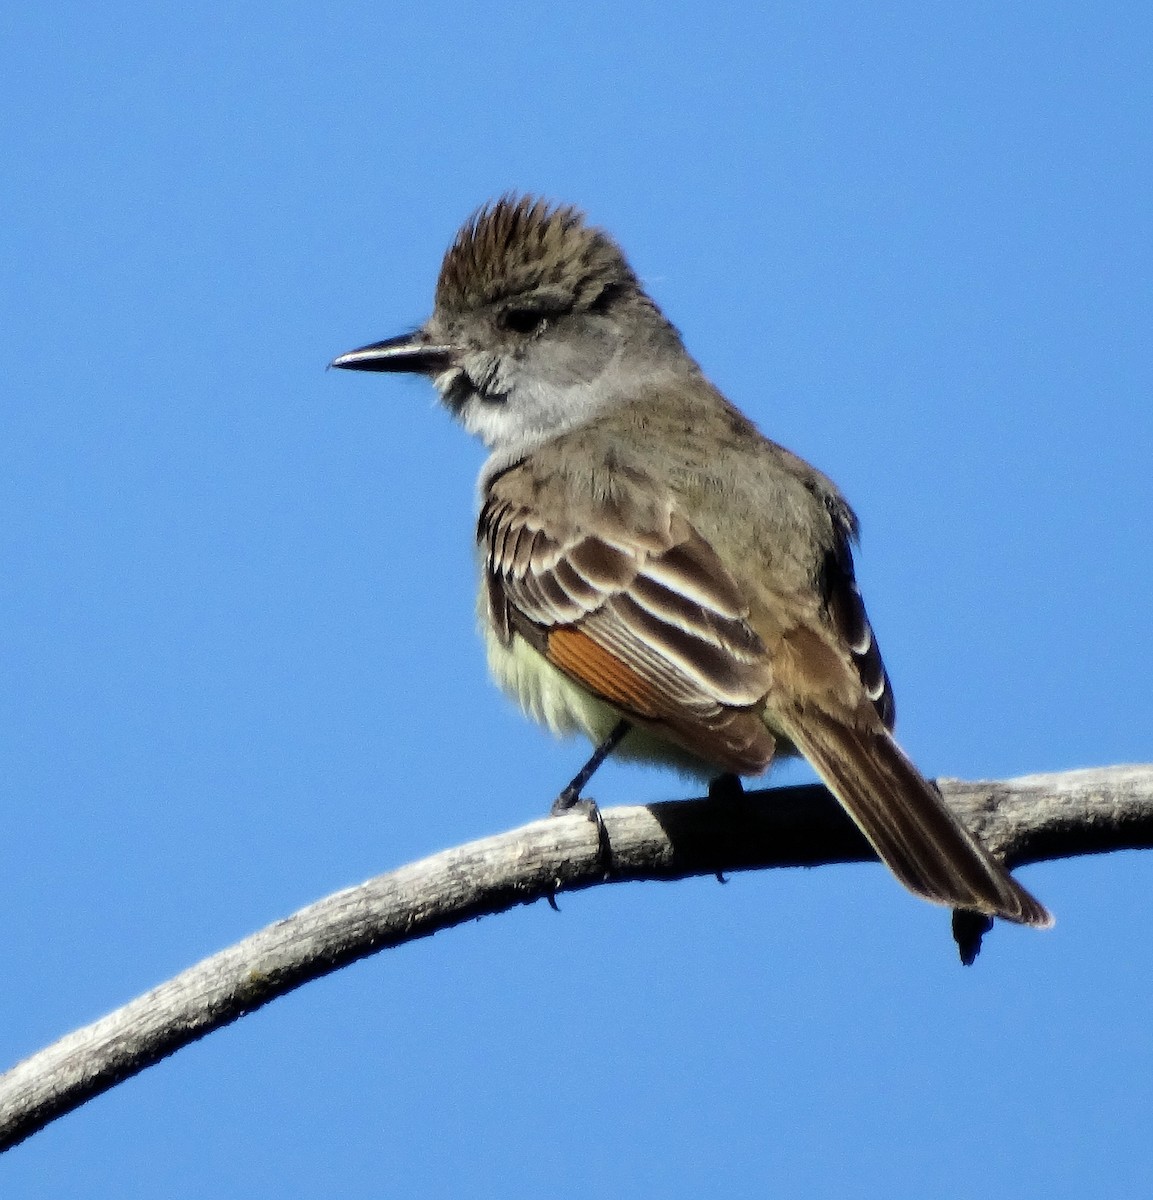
x: 648, y: 554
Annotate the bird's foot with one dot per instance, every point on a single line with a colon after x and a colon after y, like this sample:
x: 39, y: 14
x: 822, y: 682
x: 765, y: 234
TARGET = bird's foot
x: 571, y: 801
x: 726, y: 787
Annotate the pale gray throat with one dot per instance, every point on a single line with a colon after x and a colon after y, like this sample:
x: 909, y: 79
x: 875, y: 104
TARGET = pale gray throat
x: 539, y: 405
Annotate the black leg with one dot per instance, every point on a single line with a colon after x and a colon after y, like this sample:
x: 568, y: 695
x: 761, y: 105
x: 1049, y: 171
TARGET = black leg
x: 726, y: 787
x: 571, y: 796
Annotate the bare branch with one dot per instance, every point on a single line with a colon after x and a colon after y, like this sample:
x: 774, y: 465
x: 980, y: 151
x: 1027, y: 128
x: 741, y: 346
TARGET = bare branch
x: 1029, y: 819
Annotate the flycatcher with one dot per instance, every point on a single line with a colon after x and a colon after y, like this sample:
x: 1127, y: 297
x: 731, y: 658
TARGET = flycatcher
x: 655, y: 572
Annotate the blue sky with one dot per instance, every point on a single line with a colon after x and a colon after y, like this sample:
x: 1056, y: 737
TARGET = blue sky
x: 239, y: 667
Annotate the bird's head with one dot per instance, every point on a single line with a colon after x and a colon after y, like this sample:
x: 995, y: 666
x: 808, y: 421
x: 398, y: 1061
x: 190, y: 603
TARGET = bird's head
x: 537, y: 317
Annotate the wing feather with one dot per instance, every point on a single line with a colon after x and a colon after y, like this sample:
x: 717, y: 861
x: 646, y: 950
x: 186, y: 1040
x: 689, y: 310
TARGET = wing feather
x: 650, y: 597
x: 846, y: 613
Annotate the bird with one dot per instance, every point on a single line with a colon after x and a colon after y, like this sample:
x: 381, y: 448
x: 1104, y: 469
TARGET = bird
x: 656, y: 574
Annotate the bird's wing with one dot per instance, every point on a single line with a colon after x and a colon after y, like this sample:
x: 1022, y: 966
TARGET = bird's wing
x: 845, y: 613
x: 628, y: 600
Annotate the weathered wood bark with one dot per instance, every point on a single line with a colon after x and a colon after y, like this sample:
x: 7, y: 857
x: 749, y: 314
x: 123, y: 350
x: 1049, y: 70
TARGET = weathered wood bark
x: 1024, y: 820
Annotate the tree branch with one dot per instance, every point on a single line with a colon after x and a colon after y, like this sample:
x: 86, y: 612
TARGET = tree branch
x: 1034, y: 818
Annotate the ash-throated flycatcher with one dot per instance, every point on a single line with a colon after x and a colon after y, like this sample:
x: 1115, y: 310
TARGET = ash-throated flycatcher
x: 654, y: 570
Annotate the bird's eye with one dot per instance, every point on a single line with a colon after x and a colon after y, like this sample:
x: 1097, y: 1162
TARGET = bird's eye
x: 523, y: 320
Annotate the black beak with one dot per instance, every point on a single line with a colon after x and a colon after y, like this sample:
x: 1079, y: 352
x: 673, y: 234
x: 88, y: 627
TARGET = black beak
x: 409, y: 352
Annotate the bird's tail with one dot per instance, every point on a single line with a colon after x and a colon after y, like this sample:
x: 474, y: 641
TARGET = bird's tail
x: 905, y: 819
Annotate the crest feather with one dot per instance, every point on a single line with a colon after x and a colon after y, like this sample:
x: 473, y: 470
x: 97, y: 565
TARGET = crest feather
x: 514, y: 246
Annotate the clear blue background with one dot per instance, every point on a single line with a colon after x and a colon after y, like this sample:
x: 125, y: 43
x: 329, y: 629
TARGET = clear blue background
x: 239, y: 667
